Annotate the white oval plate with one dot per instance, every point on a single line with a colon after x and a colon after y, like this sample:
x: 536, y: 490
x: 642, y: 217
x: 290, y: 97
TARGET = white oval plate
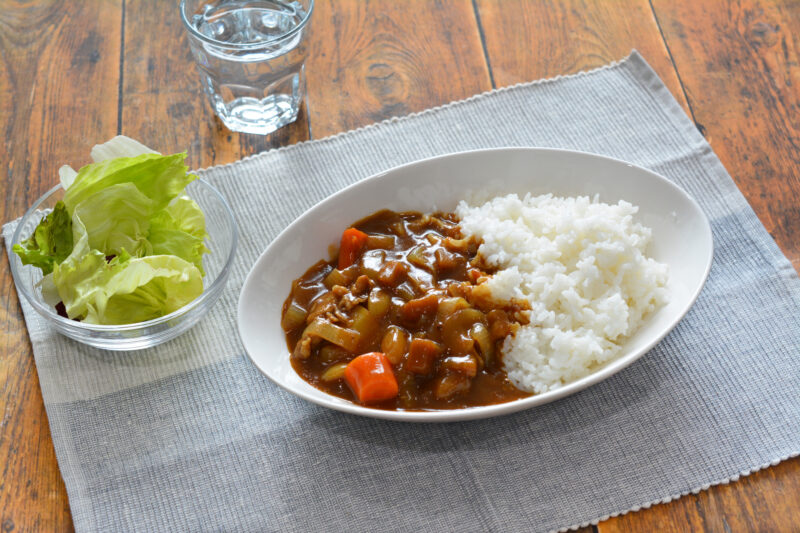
x: 681, y: 238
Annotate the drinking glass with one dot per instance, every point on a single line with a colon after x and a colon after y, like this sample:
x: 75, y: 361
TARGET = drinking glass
x: 250, y: 54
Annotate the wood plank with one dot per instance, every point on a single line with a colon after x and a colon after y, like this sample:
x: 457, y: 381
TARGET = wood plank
x: 372, y: 60
x: 395, y: 76
x: 59, y: 66
x: 768, y: 500
x: 744, y: 87
x: 566, y: 37
x: 163, y: 104
x: 739, y: 66
x: 531, y: 40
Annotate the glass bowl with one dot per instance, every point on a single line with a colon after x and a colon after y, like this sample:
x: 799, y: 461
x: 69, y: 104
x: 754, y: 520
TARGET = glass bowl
x: 222, y: 239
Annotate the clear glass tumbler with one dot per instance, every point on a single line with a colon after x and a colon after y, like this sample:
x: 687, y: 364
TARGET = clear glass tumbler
x: 250, y: 54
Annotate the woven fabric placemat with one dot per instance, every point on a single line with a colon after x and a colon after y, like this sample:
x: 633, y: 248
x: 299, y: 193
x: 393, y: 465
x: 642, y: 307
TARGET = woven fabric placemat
x: 190, y: 436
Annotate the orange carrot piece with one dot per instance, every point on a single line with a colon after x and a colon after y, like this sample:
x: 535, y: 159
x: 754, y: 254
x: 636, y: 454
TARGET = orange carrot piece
x: 353, y: 243
x: 371, y: 378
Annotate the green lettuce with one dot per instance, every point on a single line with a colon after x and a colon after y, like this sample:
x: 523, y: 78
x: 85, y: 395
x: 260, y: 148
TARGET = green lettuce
x: 126, y: 289
x: 159, y: 177
x: 126, y: 244
x: 50, y: 243
x: 117, y: 219
x: 179, y: 230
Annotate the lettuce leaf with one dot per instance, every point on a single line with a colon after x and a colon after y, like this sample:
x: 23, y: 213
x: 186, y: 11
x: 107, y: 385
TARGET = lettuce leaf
x: 179, y: 230
x: 159, y: 177
x: 161, y: 284
x: 126, y: 290
x: 50, y: 243
x: 119, y: 146
x: 188, y: 216
x: 66, y: 174
x: 126, y: 244
x: 117, y: 219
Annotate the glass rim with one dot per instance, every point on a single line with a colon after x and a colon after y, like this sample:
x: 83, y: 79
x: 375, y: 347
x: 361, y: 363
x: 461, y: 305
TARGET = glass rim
x: 244, y: 46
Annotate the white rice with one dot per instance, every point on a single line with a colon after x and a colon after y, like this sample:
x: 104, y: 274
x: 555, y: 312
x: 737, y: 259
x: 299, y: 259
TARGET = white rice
x: 581, y: 265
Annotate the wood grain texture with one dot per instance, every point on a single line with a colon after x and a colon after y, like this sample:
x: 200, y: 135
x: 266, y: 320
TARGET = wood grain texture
x: 163, y: 104
x: 372, y: 60
x: 768, y: 500
x: 741, y: 69
x: 531, y: 40
x: 59, y: 65
x: 574, y: 35
x: 124, y: 65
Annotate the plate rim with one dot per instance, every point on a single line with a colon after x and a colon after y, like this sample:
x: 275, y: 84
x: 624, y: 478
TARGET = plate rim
x: 487, y: 411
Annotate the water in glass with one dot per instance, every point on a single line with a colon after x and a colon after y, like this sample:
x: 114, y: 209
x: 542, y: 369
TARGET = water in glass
x: 251, y: 65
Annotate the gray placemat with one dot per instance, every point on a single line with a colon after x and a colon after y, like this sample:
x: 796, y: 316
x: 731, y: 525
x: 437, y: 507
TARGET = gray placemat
x: 189, y: 436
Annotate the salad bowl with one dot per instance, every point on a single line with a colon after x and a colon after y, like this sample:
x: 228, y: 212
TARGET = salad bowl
x: 221, y: 241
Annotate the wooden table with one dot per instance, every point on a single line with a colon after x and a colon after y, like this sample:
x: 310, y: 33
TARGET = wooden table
x: 75, y: 73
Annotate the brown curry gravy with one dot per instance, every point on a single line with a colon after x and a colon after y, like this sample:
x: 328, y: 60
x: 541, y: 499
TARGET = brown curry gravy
x: 436, y: 262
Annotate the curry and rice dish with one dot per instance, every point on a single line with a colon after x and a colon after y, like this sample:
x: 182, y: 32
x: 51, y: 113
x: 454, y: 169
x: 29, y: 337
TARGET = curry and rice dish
x: 490, y: 304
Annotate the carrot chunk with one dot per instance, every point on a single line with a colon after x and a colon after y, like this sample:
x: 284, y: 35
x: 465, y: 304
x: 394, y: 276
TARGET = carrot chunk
x: 353, y: 243
x: 371, y: 378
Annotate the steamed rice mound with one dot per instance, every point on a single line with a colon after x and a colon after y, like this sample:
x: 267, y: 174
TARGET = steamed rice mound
x: 581, y: 265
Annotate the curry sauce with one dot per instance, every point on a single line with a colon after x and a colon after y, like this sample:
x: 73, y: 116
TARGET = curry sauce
x: 409, y: 286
